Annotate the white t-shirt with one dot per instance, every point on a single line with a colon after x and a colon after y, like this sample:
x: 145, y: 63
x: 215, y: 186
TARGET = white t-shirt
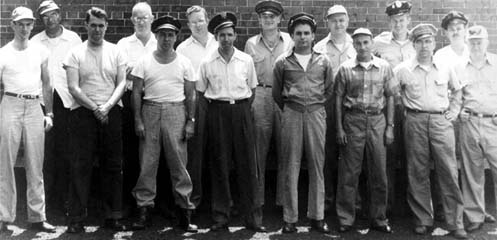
x: 164, y: 82
x: 21, y: 70
x: 303, y: 60
x: 97, y: 70
x: 59, y: 47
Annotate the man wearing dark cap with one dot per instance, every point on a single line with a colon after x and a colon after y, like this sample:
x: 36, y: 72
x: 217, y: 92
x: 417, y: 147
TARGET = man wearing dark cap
x: 337, y: 45
x: 23, y: 70
x: 394, y: 47
x: 455, y: 28
x: 429, y: 133
x: 166, y: 80
x: 58, y: 40
x: 264, y: 49
x: 227, y: 79
x: 96, y: 72
x: 303, y: 82
x: 364, y: 88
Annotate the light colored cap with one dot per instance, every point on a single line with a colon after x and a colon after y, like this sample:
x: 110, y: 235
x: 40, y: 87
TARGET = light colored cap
x: 336, y: 9
x: 477, y: 31
x: 46, y: 6
x: 422, y: 30
x: 362, y: 31
x: 22, y: 13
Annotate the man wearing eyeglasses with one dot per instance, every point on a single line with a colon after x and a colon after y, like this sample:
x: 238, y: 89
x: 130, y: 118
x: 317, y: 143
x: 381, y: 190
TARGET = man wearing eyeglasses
x: 96, y: 72
x: 140, y: 43
x: 58, y: 40
x: 195, y: 48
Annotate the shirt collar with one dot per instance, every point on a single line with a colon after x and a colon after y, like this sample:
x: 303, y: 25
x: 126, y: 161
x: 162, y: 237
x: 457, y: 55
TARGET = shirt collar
x: 134, y: 38
x: 259, y: 37
x: 488, y: 59
x: 374, y: 62
x: 62, y: 36
x: 192, y: 40
x: 415, y: 63
x: 236, y: 54
x: 348, y: 38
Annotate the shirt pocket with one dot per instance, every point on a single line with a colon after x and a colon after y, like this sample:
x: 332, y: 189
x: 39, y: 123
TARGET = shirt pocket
x: 441, y: 86
x: 413, y: 90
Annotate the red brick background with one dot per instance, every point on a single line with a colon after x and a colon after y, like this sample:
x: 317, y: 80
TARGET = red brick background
x: 363, y: 13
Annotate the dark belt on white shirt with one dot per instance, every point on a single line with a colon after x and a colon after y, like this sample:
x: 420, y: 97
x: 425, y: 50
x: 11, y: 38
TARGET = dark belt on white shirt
x: 481, y: 115
x: 423, y: 111
x: 23, y: 96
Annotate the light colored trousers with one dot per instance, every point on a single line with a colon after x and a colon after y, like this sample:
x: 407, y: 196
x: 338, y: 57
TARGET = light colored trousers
x: 267, y: 118
x: 431, y: 137
x: 365, y: 134
x: 21, y: 119
x: 303, y: 132
x: 478, y: 142
x: 164, y: 123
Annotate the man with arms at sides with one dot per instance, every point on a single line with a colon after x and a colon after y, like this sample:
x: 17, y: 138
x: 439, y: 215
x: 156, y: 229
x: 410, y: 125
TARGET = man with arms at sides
x: 365, y: 87
x: 264, y: 49
x: 478, y: 125
x: 166, y: 81
x: 395, y: 47
x: 303, y: 82
x: 140, y: 43
x: 96, y: 72
x: 58, y: 40
x: 23, y: 69
x: 199, y: 45
x: 429, y: 133
x: 227, y: 79
x: 337, y: 45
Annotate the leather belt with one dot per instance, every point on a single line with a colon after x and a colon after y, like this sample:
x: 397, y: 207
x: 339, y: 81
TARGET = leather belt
x: 264, y: 85
x: 423, y: 111
x: 228, y: 102
x: 365, y: 111
x: 481, y: 115
x: 23, y: 96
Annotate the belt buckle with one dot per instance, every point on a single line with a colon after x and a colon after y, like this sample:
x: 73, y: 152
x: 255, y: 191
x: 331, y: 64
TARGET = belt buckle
x: 232, y: 101
x: 480, y: 115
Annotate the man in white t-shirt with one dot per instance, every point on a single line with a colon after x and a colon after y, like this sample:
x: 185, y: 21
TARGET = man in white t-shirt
x: 96, y: 72
x: 135, y: 46
x: 23, y: 68
x: 58, y: 40
x: 166, y: 82
x: 195, y: 48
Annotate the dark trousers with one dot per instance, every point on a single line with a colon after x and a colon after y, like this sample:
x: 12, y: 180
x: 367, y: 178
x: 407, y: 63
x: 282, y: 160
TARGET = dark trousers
x: 196, y: 151
x: 231, y: 144
x: 331, y: 156
x: 92, y: 139
x: 57, y: 156
x: 131, y: 165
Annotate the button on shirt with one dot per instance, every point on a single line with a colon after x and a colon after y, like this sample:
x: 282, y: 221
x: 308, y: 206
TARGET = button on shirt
x: 134, y: 50
x: 20, y: 71
x: 195, y: 51
x: 303, y: 90
x: 337, y: 56
x: 392, y: 51
x: 480, y: 90
x: 426, y: 88
x: 264, y: 57
x: 58, y: 48
x: 365, y: 88
x: 164, y: 82
x: 226, y: 81
x: 97, y: 70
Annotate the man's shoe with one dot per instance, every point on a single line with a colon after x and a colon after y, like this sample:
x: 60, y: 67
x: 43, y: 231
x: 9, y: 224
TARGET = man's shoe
x: 421, y: 230
x: 489, y: 218
x: 344, y: 228
x: 459, y: 234
x: 219, y: 227
x: 320, y: 226
x: 289, y: 228
x: 143, y: 219
x: 115, y: 224
x: 474, y: 226
x: 382, y: 228
x: 75, y: 227
x: 3, y: 227
x: 184, y: 216
x: 439, y: 217
x: 42, y: 227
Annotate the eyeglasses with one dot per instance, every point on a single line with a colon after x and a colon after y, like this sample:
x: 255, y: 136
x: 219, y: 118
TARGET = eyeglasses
x: 141, y: 19
x: 51, y: 15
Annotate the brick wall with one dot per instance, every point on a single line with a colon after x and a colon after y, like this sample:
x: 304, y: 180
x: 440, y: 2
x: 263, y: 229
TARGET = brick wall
x: 363, y: 13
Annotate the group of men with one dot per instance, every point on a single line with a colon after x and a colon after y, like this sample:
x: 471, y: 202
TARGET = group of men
x: 340, y: 102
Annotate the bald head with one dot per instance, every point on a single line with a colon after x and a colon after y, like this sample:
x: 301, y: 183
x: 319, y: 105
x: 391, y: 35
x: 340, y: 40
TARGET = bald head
x: 142, y: 7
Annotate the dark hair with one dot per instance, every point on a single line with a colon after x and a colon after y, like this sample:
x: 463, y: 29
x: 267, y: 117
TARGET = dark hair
x: 96, y: 12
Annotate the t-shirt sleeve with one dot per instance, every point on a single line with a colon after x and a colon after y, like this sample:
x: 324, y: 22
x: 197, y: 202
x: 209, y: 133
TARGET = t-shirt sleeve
x: 139, y: 69
x: 189, y: 72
